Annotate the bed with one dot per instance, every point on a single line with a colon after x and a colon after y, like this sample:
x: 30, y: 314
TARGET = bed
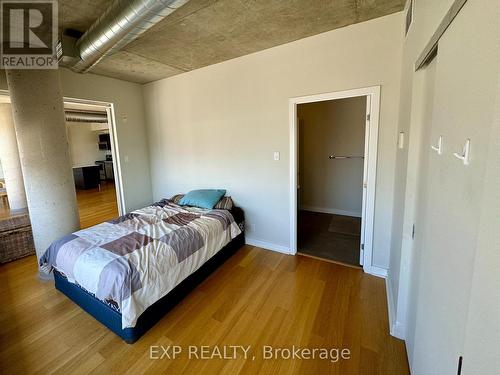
x: 129, y: 272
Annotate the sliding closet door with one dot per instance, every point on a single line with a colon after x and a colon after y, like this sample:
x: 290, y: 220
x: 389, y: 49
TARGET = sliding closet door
x: 447, y: 228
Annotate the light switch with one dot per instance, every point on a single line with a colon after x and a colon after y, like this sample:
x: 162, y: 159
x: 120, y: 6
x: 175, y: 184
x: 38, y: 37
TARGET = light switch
x: 126, y: 159
x: 401, y: 140
x: 276, y: 155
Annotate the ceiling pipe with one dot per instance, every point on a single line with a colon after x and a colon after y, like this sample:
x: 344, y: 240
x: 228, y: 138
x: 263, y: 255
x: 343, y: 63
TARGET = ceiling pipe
x: 121, y: 23
x: 77, y: 116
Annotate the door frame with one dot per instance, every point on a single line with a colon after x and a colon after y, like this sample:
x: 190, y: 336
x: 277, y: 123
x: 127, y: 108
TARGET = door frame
x: 370, y: 164
x: 110, y: 111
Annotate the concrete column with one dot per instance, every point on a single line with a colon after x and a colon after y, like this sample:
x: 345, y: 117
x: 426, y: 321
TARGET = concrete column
x: 9, y: 154
x: 38, y: 111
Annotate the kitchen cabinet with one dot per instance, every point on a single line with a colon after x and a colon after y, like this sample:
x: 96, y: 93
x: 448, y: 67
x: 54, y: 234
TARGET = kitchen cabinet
x: 86, y: 177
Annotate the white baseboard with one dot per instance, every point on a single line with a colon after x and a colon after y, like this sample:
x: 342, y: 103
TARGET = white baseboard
x: 268, y: 245
x: 378, y: 271
x: 396, y: 329
x: 334, y: 211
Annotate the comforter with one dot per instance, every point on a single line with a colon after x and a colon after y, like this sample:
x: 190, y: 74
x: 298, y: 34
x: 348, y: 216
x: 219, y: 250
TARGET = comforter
x: 135, y: 260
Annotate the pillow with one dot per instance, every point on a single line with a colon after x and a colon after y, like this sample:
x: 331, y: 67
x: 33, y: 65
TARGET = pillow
x: 204, y: 198
x: 176, y: 198
x: 226, y: 203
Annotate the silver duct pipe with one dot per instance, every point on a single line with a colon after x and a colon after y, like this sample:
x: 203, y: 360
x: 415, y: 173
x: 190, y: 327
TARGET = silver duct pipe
x: 121, y: 23
x: 76, y: 116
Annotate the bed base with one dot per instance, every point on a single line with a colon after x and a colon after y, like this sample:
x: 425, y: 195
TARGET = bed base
x: 113, y: 319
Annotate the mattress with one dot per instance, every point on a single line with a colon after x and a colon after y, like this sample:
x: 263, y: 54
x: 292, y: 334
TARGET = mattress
x: 133, y: 261
x: 110, y: 317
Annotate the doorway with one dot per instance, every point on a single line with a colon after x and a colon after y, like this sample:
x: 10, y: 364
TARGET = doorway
x: 333, y: 171
x: 94, y: 157
x: 114, y: 194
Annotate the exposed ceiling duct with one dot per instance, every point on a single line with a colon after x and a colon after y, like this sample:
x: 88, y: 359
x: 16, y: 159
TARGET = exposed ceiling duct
x: 120, y: 24
x: 78, y: 116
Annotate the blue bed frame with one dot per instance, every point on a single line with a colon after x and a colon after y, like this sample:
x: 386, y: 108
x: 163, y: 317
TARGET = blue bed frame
x: 112, y: 319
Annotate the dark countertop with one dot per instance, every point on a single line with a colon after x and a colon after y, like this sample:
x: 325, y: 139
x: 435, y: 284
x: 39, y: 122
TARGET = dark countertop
x: 85, y: 166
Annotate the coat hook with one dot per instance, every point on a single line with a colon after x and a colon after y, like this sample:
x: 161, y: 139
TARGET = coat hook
x: 465, y: 156
x: 439, y: 147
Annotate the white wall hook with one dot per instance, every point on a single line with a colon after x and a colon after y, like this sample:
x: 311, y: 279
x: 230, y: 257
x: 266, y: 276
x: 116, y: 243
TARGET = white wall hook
x: 465, y: 156
x: 439, y: 147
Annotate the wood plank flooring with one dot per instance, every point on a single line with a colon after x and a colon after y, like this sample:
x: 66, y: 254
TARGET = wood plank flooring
x: 4, y: 209
x: 256, y: 298
x: 96, y: 206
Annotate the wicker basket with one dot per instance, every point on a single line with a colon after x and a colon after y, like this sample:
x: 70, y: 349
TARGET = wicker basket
x: 16, y: 238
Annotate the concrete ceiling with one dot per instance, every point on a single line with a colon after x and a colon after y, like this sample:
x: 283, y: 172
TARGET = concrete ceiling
x: 206, y: 32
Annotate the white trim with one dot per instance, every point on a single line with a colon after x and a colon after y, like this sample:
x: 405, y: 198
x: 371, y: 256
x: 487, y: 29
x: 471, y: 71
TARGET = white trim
x: 377, y: 271
x: 397, y: 329
x: 117, y: 169
x: 267, y: 245
x: 110, y: 111
x: 327, y: 210
x: 390, y: 304
x: 373, y: 98
x: 120, y: 195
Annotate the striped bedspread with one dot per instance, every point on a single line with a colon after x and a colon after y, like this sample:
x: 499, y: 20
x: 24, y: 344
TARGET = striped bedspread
x: 135, y: 260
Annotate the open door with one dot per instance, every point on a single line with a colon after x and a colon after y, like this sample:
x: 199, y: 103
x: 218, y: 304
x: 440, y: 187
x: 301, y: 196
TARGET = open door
x: 365, y: 181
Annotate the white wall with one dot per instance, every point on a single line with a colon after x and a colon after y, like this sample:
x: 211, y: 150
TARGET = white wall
x: 427, y: 16
x: 219, y: 126
x: 326, y: 128
x: 83, y: 144
x: 130, y: 127
x: 444, y: 278
x: 482, y: 338
x: 1, y: 170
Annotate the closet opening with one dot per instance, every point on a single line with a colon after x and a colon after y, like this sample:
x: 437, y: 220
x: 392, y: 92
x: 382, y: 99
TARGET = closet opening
x: 334, y: 165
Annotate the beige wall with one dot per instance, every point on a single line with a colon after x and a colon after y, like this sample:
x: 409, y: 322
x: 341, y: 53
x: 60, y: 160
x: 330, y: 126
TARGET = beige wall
x: 1, y: 170
x: 219, y: 126
x: 83, y: 144
x: 326, y: 128
x: 130, y: 127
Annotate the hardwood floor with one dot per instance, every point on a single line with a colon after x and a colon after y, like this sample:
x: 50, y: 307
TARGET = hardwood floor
x: 96, y: 206
x: 256, y: 298
x: 4, y: 209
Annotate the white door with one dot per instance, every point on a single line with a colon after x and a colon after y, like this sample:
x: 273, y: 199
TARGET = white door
x: 447, y: 227
x: 365, y: 179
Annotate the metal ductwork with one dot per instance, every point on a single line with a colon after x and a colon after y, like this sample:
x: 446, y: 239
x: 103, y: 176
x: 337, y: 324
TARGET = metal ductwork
x: 78, y: 116
x: 120, y: 24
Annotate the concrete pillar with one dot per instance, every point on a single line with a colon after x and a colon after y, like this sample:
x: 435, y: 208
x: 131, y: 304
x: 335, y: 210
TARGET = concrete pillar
x: 9, y: 154
x: 38, y: 111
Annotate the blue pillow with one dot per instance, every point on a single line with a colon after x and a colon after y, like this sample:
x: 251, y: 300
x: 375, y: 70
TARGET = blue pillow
x: 204, y: 198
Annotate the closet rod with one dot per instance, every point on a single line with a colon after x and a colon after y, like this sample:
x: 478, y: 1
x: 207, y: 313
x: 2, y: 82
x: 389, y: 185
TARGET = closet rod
x: 345, y: 157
